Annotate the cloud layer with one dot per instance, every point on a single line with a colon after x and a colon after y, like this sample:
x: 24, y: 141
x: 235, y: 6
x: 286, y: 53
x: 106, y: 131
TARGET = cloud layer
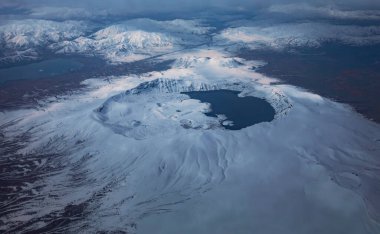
x: 125, y: 6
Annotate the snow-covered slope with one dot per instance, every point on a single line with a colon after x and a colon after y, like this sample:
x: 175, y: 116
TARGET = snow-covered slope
x: 22, y: 39
x: 126, y: 153
x: 26, y: 33
x: 118, y: 44
x: 136, y: 39
x: 301, y: 34
x: 123, y: 42
x: 307, y: 10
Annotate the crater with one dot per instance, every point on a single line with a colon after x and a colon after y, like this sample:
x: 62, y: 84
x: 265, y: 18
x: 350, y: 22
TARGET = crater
x: 238, y: 112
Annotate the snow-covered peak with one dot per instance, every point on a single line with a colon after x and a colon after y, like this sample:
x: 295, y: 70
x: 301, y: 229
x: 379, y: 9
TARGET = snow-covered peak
x: 118, y: 43
x: 27, y: 33
x: 302, y: 34
x: 137, y: 39
x: 119, y: 35
x: 123, y: 42
x: 141, y: 39
x: 194, y: 60
x: 22, y: 40
x: 109, y: 32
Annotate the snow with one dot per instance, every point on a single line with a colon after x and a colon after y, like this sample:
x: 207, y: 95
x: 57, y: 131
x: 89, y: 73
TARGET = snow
x: 141, y: 38
x: 118, y: 45
x: 23, y: 38
x: 24, y: 33
x: 142, y: 162
x: 126, y: 41
x: 301, y: 34
x: 137, y: 39
x: 140, y: 155
x: 304, y: 9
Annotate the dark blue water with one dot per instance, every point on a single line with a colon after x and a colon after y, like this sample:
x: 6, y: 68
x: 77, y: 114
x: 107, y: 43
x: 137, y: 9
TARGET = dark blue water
x: 44, y: 69
x: 242, y: 111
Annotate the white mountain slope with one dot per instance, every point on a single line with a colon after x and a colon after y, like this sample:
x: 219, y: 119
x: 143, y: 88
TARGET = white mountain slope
x: 300, y: 34
x: 119, y: 45
x: 23, y: 38
x: 25, y: 33
x: 124, y: 161
x: 123, y: 42
x: 137, y: 39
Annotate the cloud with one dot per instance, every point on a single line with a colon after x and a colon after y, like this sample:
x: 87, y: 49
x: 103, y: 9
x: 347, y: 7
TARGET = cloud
x: 61, y: 13
x: 125, y: 6
x: 329, y: 11
x: 5, y: 4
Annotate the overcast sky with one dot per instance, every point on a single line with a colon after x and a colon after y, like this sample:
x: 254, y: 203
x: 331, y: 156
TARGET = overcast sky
x: 148, y: 5
x: 63, y: 9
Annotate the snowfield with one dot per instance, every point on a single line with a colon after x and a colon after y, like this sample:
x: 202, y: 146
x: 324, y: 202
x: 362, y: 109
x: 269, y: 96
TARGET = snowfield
x: 22, y: 39
x: 300, y: 34
x: 135, y: 154
x: 131, y: 153
x: 138, y: 39
x: 124, y: 42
